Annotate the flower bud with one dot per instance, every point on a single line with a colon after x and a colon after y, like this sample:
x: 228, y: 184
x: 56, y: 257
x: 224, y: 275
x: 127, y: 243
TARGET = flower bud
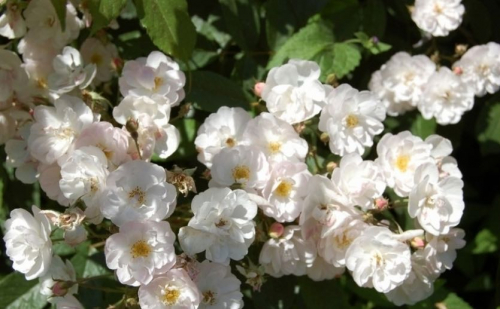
x: 60, y: 288
x: 417, y: 243
x: 257, y: 89
x: 458, y: 71
x: 330, y: 166
x: 276, y: 230
x: 381, y: 203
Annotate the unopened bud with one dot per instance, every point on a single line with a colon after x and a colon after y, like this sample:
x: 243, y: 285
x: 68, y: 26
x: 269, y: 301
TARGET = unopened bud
x: 257, y: 89
x: 325, y: 138
x: 418, y: 243
x: 332, y: 80
x: 60, y: 288
x: 132, y: 126
x: 276, y: 230
x: 458, y: 71
x: 375, y: 40
x: 460, y: 49
x: 330, y: 166
x: 381, y: 203
x: 435, y: 57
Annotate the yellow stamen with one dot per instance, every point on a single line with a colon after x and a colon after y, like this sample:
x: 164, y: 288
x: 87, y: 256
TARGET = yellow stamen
x: 402, y: 162
x: 140, y: 249
x: 284, y: 189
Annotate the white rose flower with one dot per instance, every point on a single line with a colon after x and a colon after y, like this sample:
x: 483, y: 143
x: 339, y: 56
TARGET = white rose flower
x: 441, y: 251
x: 145, y: 196
x: 19, y: 157
x: 441, y: 150
x: 113, y: 141
x: 417, y: 287
x: 93, y: 51
x: 70, y: 72
x: 155, y: 75
x: 27, y: 242
x: 324, y: 208
x: 12, y: 23
x: 59, y: 271
x: 360, y: 182
x: 223, y: 129
x: 480, y: 68
x: 43, y: 23
x: 445, y: 98
x: 222, y: 225
x: 399, y: 156
x: 13, y: 78
x: 83, y: 176
x: 171, y: 290
x: 293, y: 92
x: 244, y: 165
x: 438, y: 17
x: 288, y: 254
x: 276, y: 138
x: 437, y: 203
x: 49, y: 178
x: 285, y: 191
x: 399, y: 82
x: 333, y: 247
x: 218, y: 287
x: 377, y: 259
x: 321, y: 270
x: 56, y: 128
x: 152, y: 116
x: 351, y: 119
x: 141, y: 251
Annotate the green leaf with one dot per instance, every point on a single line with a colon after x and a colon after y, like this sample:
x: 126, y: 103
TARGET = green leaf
x: 242, y: 21
x: 346, y: 57
x: 60, y: 7
x: 309, y: 43
x: 209, y: 91
x: 280, y: 26
x: 423, y: 127
x: 486, y: 242
x: 207, y: 29
x: 168, y: 25
x: 17, y: 292
x: 103, y: 12
x: 488, y: 128
x: 455, y: 302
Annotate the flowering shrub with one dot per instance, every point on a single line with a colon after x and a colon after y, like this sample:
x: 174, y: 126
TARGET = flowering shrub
x: 230, y: 154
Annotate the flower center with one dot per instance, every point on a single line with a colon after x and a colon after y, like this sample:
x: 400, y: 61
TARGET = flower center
x: 209, y: 297
x: 222, y: 223
x: 274, y: 147
x: 402, y: 162
x: 284, y: 189
x: 230, y: 142
x: 139, y: 194
x: 94, y: 185
x: 241, y: 172
x: 66, y: 133
x: 171, y: 295
x: 438, y: 9
x: 41, y: 83
x: 351, y: 121
x: 96, y: 59
x: 378, y: 259
x: 158, y: 83
x: 140, y: 249
x: 343, y: 241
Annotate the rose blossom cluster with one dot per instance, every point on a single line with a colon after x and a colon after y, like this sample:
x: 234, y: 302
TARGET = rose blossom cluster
x: 408, y: 82
x: 318, y: 225
x: 95, y: 160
